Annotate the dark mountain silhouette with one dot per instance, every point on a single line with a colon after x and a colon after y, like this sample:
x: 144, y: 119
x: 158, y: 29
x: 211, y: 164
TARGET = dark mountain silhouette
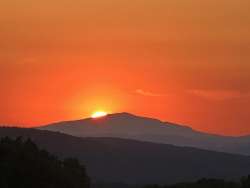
x: 128, y: 126
x: 136, y: 162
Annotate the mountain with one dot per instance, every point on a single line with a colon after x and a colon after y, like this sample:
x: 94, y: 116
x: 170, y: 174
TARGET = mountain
x: 136, y: 162
x: 128, y: 126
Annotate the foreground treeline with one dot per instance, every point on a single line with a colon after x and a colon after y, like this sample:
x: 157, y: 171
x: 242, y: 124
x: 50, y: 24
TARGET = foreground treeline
x: 203, y: 183
x: 24, y: 165
x: 209, y: 183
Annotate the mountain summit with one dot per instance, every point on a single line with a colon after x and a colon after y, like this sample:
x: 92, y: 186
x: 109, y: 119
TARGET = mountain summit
x: 129, y: 126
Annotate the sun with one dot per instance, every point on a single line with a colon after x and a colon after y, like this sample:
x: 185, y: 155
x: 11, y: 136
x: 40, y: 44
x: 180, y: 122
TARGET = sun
x: 99, y: 114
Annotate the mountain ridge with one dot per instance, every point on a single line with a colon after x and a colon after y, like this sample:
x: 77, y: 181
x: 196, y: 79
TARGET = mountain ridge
x: 129, y: 126
x: 168, y: 123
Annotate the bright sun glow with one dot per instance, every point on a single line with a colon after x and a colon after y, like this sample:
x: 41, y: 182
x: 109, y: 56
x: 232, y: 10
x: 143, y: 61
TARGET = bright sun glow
x: 99, y: 114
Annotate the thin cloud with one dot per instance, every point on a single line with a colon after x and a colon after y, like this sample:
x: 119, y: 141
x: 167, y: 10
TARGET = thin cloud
x: 149, y: 94
x: 219, y: 94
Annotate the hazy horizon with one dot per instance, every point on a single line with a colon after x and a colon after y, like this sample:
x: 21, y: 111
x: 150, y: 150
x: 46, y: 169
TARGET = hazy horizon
x: 182, y: 61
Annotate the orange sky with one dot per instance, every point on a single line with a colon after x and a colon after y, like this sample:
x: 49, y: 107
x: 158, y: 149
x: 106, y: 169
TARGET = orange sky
x: 185, y: 61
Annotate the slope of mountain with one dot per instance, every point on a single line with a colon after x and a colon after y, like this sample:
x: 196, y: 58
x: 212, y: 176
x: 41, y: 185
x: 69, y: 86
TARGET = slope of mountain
x: 128, y: 126
x: 135, y: 162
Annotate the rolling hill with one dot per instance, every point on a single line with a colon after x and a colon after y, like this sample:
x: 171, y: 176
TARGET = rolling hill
x: 136, y: 162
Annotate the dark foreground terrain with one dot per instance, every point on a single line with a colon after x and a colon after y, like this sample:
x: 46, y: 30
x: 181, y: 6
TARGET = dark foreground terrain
x: 134, y: 162
x: 24, y: 165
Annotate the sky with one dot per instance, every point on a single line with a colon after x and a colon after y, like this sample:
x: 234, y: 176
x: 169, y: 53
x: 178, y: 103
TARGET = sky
x: 182, y: 61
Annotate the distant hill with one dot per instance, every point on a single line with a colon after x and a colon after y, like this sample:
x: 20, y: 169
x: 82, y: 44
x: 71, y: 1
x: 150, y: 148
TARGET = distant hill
x: 136, y: 162
x: 128, y: 126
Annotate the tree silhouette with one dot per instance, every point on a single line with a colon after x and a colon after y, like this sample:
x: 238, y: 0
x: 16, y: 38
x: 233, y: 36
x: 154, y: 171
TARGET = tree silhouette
x: 24, y: 165
x: 245, y: 182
